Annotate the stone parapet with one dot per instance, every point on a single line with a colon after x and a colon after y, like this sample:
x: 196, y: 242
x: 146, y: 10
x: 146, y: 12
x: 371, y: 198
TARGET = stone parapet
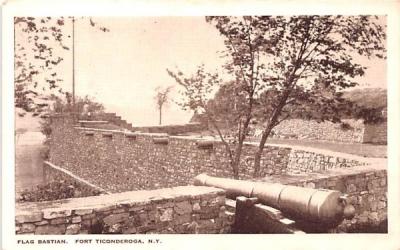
x: 366, y: 187
x: 122, y: 161
x: 184, y: 209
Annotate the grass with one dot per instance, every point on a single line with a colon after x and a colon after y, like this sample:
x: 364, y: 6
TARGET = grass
x: 360, y: 149
x: 366, y: 150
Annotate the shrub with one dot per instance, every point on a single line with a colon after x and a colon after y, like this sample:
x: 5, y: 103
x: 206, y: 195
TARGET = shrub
x: 55, y: 190
x: 345, y: 126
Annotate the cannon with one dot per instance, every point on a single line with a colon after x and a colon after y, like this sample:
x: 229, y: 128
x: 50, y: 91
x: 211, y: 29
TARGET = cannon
x: 322, y: 206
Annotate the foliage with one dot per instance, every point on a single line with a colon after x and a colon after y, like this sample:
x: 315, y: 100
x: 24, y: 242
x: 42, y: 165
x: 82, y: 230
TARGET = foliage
x: 298, y: 60
x: 56, y: 190
x: 370, y: 115
x: 82, y: 104
x: 370, y: 104
x: 60, y: 105
x: 162, y: 98
x: 197, y: 92
x: 368, y: 97
x: 36, y: 58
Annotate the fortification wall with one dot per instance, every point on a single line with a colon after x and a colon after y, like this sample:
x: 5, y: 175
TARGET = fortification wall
x: 117, y: 161
x: 313, y: 130
x: 55, y: 173
x: 375, y: 133
x: 365, y: 186
x: 172, y: 129
x: 356, y: 132
x: 185, y: 209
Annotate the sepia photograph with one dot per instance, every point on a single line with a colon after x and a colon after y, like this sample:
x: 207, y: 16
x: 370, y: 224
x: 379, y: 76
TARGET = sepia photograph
x: 265, y: 124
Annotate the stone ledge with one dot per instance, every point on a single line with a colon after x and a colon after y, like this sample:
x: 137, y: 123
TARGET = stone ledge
x: 337, y: 172
x: 74, y: 177
x: 132, y: 198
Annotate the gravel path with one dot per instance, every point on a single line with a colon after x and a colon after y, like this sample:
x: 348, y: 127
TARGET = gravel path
x: 28, y: 159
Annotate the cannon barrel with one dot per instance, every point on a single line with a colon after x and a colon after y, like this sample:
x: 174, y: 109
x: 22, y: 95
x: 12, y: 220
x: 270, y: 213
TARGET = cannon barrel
x: 329, y: 207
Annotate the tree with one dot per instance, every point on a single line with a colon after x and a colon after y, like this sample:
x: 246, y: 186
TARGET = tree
x: 62, y: 105
x: 293, y: 60
x: 197, y: 93
x: 37, y: 56
x: 162, y: 98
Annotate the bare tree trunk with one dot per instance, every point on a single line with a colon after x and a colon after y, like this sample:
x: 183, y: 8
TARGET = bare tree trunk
x: 257, y: 157
x: 273, y: 121
x: 235, y: 169
x: 236, y: 160
x: 267, y: 131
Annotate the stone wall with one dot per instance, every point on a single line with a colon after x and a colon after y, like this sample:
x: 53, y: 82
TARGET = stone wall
x: 301, y: 161
x: 365, y: 186
x: 117, y: 161
x: 185, y: 209
x: 313, y: 130
x: 55, y: 173
x: 172, y: 129
x: 111, y: 118
x: 356, y: 132
x: 375, y: 133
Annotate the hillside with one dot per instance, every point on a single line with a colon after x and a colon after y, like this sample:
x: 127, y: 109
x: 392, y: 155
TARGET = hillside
x: 368, y: 98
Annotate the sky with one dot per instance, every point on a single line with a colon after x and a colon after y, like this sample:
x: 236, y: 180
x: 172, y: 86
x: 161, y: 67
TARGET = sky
x: 123, y: 67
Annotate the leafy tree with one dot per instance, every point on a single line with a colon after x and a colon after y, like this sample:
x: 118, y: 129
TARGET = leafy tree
x: 197, y: 93
x: 285, y: 66
x: 298, y: 58
x: 36, y: 58
x: 162, y: 98
x: 64, y: 105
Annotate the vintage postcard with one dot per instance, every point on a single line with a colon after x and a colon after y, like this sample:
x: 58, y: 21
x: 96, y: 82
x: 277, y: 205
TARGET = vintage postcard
x: 216, y: 125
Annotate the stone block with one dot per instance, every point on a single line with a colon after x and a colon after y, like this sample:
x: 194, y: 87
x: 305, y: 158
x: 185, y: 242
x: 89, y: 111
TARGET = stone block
x: 83, y: 211
x: 86, y: 224
x: 54, y: 213
x: 115, y: 218
x: 129, y: 230
x: 50, y: 229
x: 118, y: 210
x: 76, y: 219
x: 58, y: 221
x: 181, y: 219
x: 137, y: 208
x: 28, y: 217
x: 27, y: 228
x: 115, y: 228
x: 73, y: 229
x: 40, y: 223
x: 167, y: 214
x: 183, y: 207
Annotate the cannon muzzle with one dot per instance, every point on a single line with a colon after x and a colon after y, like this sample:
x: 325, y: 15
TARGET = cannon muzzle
x: 328, y: 207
